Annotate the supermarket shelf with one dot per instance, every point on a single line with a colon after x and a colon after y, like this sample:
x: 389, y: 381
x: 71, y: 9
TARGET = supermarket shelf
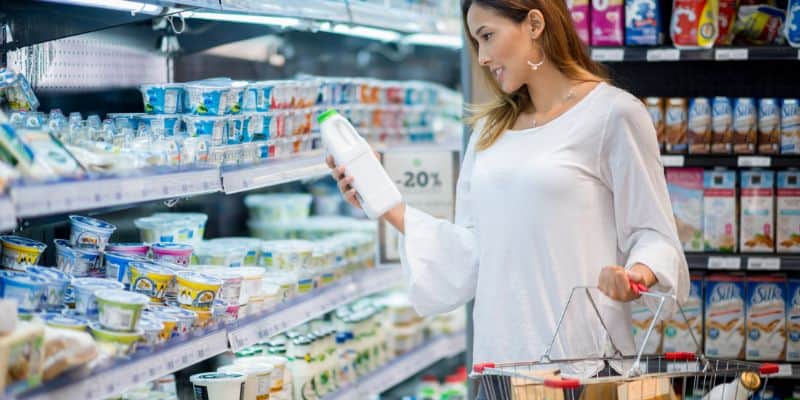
x: 120, y: 376
x: 272, y: 172
x: 743, y: 262
x: 711, y: 161
x: 256, y: 328
x: 46, y: 198
x: 403, y: 367
x: 8, y: 219
x: 671, y: 54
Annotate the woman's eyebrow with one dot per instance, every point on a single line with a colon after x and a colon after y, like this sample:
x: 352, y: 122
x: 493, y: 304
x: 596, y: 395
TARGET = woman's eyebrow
x: 478, y: 32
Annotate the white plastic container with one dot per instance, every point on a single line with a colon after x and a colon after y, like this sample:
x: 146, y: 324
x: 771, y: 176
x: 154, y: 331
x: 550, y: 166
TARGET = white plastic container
x: 376, y: 191
x: 218, y: 385
x: 258, y: 379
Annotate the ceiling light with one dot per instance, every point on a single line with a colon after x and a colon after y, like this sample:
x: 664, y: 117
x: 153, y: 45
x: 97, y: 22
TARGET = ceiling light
x: 120, y: 5
x: 282, y: 22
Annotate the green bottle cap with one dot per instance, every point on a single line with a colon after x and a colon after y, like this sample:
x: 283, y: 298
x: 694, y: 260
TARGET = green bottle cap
x: 327, y: 114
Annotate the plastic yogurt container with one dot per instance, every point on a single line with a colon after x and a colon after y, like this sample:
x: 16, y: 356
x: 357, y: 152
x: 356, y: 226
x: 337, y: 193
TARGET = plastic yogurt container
x: 218, y: 385
x: 27, y: 289
x: 231, y: 281
x: 278, y: 364
x: 258, y: 379
x: 90, y: 233
x: 85, y: 289
x: 192, y: 225
x: 292, y: 255
x: 167, y: 125
x: 185, y: 319
x: 115, y: 343
x: 214, y: 128
x: 20, y: 252
x: 61, y: 321
x: 252, y: 245
x: 150, y: 279
x: 133, y: 248
x: 152, y: 329
x: 55, y: 288
x: 125, y: 120
x: 251, y: 285
x: 162, y: 98
x: 205, y: 98
x: 196, y: 290
x: 177, y: 253
x: 120, y: 310
x: 169, y: 322
x: 279, y: 207
x: 117, y: 265
x: 222, y: 254
x: 77, y: 262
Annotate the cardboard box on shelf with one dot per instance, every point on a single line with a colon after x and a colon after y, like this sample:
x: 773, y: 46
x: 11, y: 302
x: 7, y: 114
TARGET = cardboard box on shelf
x: 724, y: 316
x: 677, y: 331
x: 719, y: 211
x: 757, y: 211
x: 685, y: 186
x: 766, y: 318
x: 788, y: 224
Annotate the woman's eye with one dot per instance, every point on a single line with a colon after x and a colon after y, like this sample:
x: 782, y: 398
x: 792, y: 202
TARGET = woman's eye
x: 486, y: 36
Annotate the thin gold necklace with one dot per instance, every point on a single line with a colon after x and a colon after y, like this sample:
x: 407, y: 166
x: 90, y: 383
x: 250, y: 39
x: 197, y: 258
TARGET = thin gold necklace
x: 570, y: 95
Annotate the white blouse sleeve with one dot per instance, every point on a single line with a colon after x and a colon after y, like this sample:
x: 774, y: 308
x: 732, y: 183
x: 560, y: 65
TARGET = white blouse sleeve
x: 440, y: 258
x: 631, y: 168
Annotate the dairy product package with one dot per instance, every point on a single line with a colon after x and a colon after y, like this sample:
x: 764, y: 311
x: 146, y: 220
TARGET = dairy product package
x: 721, y: 126
x: 727, y: 17
x: 581, y: 18
x: 792, y: 28
x: 769, y: 126
x: 641, y: 317
x: 694, y: 23
x: 793, y: 321
x: 607, y: 23
x: 655, y: 107
x: 724, y: 316
x: 676, y: 126
x: 677, y: 331
x: 745, y: 123
x: 685, y: 186
x: 788, y: 225
x: 759, y: 25
x: 699, y: 126
x: 719, y: 211
x: 790, y: 126
x: 758, y: 212
x: 766, y: 318
x: 642, y: 23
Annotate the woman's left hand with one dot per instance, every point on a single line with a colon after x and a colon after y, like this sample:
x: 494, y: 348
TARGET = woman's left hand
x: 615, y: 281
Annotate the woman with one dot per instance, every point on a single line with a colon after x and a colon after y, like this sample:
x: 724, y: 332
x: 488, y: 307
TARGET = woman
x: 561, y: 186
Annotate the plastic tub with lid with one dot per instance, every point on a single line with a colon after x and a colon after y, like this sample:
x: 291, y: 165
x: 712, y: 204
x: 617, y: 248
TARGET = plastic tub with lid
x: 27, y: 289
x: 252, y: 245
x: 55, y: 288
x: 258, y: 379
x: 151, y: 279
x: 20, y: 252
x: 221, y: 254
x: 197, y: 291
x: 218, y: 385
x: 117, y: 265
x: 85, y: 289
x: 205, y: 97
x: 279, y: 207
x: 162, y: 98
x: 115, y: 343
x: 78, y: 262
x: 120, y: 310
x: 232, y: 281
x: 92, y: 233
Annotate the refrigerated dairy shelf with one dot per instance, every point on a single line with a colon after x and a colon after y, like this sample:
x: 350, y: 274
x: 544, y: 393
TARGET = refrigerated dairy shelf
x: 272, y: 172
x: 671, y: 54
x: 743, y: 262
x: 8, y: 218
x: 403, y: 367
x: 731, y: 161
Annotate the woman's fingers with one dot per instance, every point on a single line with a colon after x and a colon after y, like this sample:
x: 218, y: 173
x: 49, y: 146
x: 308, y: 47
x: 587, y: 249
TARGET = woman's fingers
x: 345, y: 184
x: 331, y: 163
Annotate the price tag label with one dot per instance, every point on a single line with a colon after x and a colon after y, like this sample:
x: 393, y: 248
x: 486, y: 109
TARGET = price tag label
x: 656, y: 55
x: 673, y: 160
x: 731, y: 54
x: 754, y: 161
x: 784, y: 370
x: 724, y: 263
x: 764, y: 263
x: 608, y: 55
x: 683, y: 367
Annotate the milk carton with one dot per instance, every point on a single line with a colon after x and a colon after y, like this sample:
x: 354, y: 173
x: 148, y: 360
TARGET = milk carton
x: 766, y: 318
x: 724, y: 316
x: 788, y: 225
x: 685, y: 187
x: 699, y: 126
x: 655, y: 107
x: 581, y: 17
x: 719, y: 211
x: 758, y: 213
x: 793, y: 321
x: 677, y: 331
x: 721, y: 126
x: 790, y: 126
x: 769, y: 126
x: 607, y: 23
x: 642, y: 23
x: 676, y: 125
x: 641, y: 317
x: 745, y: 124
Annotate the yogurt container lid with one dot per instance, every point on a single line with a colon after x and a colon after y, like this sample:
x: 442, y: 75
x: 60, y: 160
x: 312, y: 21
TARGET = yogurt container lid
x: 96, y: 283
x: 126, y: 246
x: 160, y: 116
x: 180, y: 313
x: 65, y: 244
x: 207, y: 378
x: 296, y: 245
x: 93, y: 222
x: 22, y: 279
x: 162, y: 85
x: 122, y: 337
x: 150, y: 324
x: 122, y: 115
x: 193, y: 276
x: 158, y: 314
x: 121, y: 297
x: 59, y: 320
x: 249, y: 368
x: 168, y: 248
x: 148, y: 266
x: 125, y: 256
x: 224, y: 273
x: 250, y: 243
x: 251, y: 272
x: 51, y: 274
x: 19, y: 241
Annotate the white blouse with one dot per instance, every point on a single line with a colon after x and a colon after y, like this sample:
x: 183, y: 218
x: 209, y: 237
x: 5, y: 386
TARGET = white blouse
x: 541, y: 211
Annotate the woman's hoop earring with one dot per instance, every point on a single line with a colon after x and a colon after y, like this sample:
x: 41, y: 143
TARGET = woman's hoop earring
x: 536, y: 65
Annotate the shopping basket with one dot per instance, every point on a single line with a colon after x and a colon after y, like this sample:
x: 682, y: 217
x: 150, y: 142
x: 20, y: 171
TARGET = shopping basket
x: 680, y: 375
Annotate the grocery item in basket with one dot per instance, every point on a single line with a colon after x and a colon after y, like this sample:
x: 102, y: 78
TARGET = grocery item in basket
x: 677, y: 331
x: 676, y: 125
x: 150, y: 279
x: 55, y: 288
x: 694, y: 23
x: 766, y: 318
x: 759, y: 25
x: 685, y: 186
x: 162, y: 98
x: 176, y: 253
x: 119, y: 310
x: 655, y: 107
x: 719, y: 211
x: 727, y: 17
x: 608, y: 23
x: 91, y: 233
x: 699, y: 126
x: 26, y: 289
x: 218, y: 385
x: 793, y: 321
x: 757, y: 211
x: 788, y: 224
x: 580, y: 12
x: 721, y: 126
x: 649, y: 388
x: 724, y: 316
x: 790, y: 126
x: 19, y: 252
x: 793, y: 23
x: 642, y: 23
x: 769, y: 126
x: 745, y: 124
x: 641, y: 317
x: 113, y: 343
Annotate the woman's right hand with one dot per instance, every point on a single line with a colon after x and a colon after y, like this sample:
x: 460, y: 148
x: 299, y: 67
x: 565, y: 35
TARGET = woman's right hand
x: 345, y: 183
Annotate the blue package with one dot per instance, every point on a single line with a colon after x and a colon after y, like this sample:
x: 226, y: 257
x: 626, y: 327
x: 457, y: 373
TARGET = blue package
x: 793, y: 23
x: 642, y: 23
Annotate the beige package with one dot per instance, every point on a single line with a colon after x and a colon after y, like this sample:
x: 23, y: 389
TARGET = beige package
x: 766, y: 318
x: 724, y: 316
x: 655, y: 107
x: 646, y: 389
x: 534, y: 389
x: 745, y: 124
x: 676, y: 126
x: 677, y: 331
x: 757, y: 211
x: 788, y: 225
x: 641, y: 318
x: 699, y: 126
x: 769, y: 126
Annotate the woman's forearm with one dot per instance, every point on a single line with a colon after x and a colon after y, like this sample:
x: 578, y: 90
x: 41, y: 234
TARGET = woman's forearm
x: 397, y: 216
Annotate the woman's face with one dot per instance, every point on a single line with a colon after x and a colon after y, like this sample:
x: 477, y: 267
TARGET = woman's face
x: 504, y: 46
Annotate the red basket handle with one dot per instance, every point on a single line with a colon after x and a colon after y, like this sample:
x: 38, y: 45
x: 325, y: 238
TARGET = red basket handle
x: 638, y: 288
x: 562, y: 383
x: 478, y: 368
x: 769, y: 369
x: 680, y: 356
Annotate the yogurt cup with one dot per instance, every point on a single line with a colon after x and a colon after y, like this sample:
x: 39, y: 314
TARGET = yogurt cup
x: 150, y: 279
x: 152, y: 329
x: 205, y: 98
x: 169, y: 322
x: 292, y: 255
x: 213, y: 128
x: 162, y: 98
x: 27, y: 289
x: 185, y: 319
x: 125, y: 120
x: 133, y: 248
x: 192, y: 225
x: 119, y: 310
x: 251, y: 285
x: 231, y: 279
x: 89, y: 233
x: 257, y: 127
x: 258, y: 96
x: 167, y: 125
x: 85, y: 289
x: 61, y: 321
x: 177, y: 253
x: 252, y: 245
x: 235, y: 97
x: 114, y: 343
x: 238, y: 126
x: 204, y: 319
x: 197, y: 291
x: 77, y: 262
x: 117, y: 265
x: 280, y: 207
x: 285, y: 281
x: 55, y: 288
x: 222, y: 254
x: 232, y: 313
x: 258, y: 379
x: 218, y: 385
x: 19, y: 252
x: 278, y: 364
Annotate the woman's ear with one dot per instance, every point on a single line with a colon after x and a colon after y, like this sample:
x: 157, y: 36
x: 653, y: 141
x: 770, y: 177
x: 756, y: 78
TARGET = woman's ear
x: 536, y: 24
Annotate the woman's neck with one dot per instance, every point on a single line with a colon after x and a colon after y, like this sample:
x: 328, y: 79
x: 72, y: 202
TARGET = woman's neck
x: 548, y: 87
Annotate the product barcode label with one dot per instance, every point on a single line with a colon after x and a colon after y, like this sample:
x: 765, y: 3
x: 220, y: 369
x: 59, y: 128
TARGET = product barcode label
x: 764, y: 263
x: 726, y: 263
x: 655, y: 55
x: 608, y: 54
